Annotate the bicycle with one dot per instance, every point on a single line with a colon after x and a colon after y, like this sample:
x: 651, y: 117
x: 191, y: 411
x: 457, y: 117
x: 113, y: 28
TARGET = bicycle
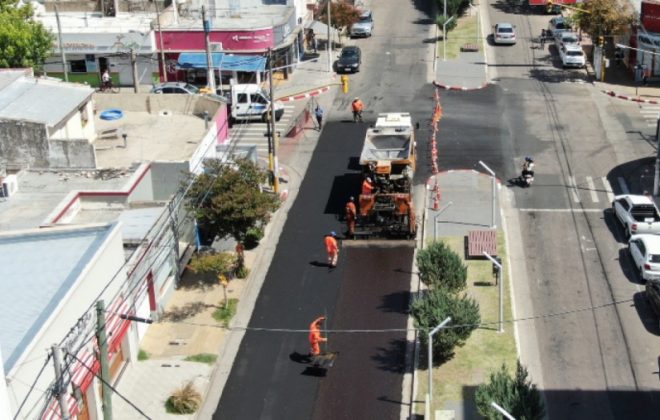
x: 108, y: 87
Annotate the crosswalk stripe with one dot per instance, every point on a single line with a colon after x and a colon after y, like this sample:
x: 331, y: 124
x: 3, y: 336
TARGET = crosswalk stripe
x: 592, y: 189
x: 608, y: 189
x: 573, y: 187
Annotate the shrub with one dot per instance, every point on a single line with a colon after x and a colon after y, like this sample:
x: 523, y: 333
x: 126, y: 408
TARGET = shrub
x: 517, y: 395
x: 242, y: 272
x: 253, y: 236
x: 185, y: 400
x: 225, y: 314
x: 207, y: 358
x: 143, y: 355
x: 433, y: 308
x: 439, y: 266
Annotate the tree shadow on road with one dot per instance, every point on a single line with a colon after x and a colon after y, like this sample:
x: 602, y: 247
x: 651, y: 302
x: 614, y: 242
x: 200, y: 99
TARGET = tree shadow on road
x: 396, y: 302
x: 392, y: 358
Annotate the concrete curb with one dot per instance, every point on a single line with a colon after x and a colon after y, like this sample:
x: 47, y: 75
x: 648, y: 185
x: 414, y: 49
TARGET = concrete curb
x: 630, y: 98
x: 305, y: 95
x: 463, y: 88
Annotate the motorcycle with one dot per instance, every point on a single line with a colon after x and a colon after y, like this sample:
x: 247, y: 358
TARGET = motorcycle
x: 527, y: 174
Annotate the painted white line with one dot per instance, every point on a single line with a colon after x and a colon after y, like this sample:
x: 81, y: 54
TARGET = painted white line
x: 622, y: 185
x: 608, y: 189
x: 573, y: 186
x: 592, y: 189
x: 562, y: 210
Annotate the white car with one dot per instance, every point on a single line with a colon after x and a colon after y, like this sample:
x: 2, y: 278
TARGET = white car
x: 645, y: 253
x: 567, y: 38
x: 363, y: 27
x: 572, y: 56
x: 504, y: 33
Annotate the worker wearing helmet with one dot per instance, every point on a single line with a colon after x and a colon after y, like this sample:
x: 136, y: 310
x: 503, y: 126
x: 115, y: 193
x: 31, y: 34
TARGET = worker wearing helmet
x: 357, y: 106
x: 315, y: 337
x: 367, y: 186
x: 351, y: 215
x: 332, y: 248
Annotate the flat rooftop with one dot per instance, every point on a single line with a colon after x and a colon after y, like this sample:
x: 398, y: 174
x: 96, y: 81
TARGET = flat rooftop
x: 150, y: 137
x: 94, y: 23
x: 39, y: 193
x: 250, y: 14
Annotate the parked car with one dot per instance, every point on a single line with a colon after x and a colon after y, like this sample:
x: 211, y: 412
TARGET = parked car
x: 645, y: 252
x: 504, y: 33
x: 363, y: 27
x: 572, y: 56
x: 567, y: 38
x: 349, y: 60
x: 558, y: 24
x: 637, y: 214
x: 175, y: 87
x: 653, y: 296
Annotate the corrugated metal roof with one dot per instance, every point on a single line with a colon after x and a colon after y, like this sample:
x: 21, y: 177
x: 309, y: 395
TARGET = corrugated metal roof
x: 46, y: 101
x: 136, y: 223
x: 38, y: 270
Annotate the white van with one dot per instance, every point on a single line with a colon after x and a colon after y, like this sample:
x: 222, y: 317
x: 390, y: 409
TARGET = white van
x: 250, y: 102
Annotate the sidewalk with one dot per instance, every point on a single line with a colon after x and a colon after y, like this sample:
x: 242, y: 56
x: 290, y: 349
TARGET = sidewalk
x: 187, y: 327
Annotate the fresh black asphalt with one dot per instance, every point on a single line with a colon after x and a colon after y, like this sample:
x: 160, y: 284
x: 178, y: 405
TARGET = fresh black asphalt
x: 368, y: 289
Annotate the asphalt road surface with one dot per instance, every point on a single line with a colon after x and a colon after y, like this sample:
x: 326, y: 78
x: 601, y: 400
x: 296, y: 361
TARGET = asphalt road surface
x: 368, y: 289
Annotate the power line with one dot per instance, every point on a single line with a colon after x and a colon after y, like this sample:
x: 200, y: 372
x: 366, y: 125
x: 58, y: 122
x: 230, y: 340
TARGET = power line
x: 34, y: 383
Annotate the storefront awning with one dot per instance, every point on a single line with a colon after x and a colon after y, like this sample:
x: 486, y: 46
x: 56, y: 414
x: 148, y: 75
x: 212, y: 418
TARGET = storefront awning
x: 224, y: 62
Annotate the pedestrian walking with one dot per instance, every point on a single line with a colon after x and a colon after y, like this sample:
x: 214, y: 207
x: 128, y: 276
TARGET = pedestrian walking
x: 332, y: 249
x: 319, y: 116
x: 315, y: 337
x: 542, y: 38
x: 351, y: 216
x: 357, y: 106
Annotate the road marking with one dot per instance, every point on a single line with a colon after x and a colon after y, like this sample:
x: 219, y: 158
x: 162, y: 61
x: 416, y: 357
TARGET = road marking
x: 573, y: 186
x: 622, y: 185
x: 608, y: 189
x: 562, y: 210
x: 592, y: 189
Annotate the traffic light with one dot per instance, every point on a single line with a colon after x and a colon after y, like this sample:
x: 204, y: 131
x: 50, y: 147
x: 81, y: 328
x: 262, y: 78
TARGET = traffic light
x: 344, y: 83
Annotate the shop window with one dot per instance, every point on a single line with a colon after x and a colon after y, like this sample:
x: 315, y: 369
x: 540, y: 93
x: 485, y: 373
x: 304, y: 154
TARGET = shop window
x: 78, y: 66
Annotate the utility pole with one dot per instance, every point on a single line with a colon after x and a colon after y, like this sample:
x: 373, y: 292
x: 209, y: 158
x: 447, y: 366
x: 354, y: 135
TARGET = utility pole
x: 59, y: 388
x: 272, y: 139
x: 160, y: 36
x: 210, y: 74
x: 656, y: 178
x: 103, y: 356
x: 329, y: 46
x: 136, y: 82
x: 59, y: 39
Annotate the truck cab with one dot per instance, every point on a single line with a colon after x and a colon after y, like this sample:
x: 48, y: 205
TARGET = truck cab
x: 251, y: 102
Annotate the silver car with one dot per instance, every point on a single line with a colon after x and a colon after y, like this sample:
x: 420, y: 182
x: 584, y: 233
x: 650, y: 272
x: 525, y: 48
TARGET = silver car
x: 504, y: 33
x: 363, y: 27
x: 175, y: 87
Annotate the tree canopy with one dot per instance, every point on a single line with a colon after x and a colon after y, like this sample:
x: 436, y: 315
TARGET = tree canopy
x: 228, y: 199
x: 342, y: 15
x: 604, y: 17
x: 24, y: 42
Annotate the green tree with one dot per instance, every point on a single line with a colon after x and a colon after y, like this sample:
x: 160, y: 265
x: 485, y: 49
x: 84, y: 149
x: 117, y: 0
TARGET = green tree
x: 439, y: 266
x: 604, y: 17
x: 220, y: 265
x: 343, y: 15
x: 433, y: 308
x: 517, y: 395
x: 24, y: 42
x: 228, y: 200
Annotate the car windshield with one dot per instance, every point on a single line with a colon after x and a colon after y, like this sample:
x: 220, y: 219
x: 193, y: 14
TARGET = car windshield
x: 571, y: 39
x: 505, y: 30
x: 365, y: 19
x: 574, y: 53
x: 349, y: 53
x: 654, y: 258
x: 561, y: 25
x: 191, y: 88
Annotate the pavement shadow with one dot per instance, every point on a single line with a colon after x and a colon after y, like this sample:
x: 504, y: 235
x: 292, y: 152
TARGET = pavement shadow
x: 628, y: 267
x: 425, y: 7
x: 517, y: 7
x: 646, y: 314
x: 614, y: 226
x: 392, y: 358
x: 343, y: 187
x: 189, y: 310
x: 396, y: 302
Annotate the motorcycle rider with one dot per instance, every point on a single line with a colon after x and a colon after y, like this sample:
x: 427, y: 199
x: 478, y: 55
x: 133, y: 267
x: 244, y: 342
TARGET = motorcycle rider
x: 527, y: 175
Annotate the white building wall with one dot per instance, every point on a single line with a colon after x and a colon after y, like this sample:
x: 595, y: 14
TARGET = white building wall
x: 74, y: 127
x: 107, y: 261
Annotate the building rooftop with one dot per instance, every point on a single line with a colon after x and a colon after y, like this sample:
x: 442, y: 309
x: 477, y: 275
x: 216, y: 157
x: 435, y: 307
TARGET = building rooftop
x: 165, y: 136
x: 94, y: 23
x: 249, y: 14
x: 58, y: 256
x: 42, y: 100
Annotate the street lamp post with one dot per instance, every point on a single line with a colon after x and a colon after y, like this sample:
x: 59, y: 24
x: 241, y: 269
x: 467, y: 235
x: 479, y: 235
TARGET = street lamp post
x: 444, y: 38
x: 493, y: 193
x: 500, y: 283
x: 501, y: 410
x: 160, y: 37
x: 433, y: 332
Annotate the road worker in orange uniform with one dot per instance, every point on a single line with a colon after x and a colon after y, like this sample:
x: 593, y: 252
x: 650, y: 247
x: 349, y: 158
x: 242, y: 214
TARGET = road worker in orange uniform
x: 351, y: 215
x: 367, y: 186
x: 332, y: 248
x: 315, y: 336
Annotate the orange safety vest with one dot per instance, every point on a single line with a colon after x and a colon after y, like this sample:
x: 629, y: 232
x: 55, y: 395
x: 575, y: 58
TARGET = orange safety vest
x: 367, y: 187
x: 331, y: 245
x: 358, y: 105
x: 351, y: 211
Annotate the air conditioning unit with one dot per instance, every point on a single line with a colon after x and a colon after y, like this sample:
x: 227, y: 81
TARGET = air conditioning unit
x: 9, y: 186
